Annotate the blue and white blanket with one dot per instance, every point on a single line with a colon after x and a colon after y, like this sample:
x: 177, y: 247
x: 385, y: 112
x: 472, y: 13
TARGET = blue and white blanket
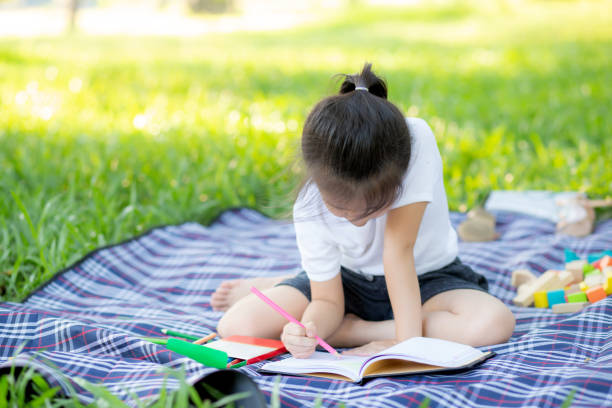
x: 86, y: 322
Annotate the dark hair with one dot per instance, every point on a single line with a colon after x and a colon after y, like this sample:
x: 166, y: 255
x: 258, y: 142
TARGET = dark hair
x: 356, y: 144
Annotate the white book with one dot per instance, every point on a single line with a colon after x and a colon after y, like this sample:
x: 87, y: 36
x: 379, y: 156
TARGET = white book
x: 416, y: 355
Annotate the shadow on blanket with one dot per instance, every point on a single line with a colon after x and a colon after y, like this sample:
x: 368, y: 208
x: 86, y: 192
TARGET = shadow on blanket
x: 85, y: 324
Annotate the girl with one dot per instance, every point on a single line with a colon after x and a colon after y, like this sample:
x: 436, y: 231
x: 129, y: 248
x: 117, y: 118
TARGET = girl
x: 378, y: 250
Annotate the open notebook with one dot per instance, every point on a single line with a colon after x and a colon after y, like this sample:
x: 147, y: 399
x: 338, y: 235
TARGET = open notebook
x: 416, y: 355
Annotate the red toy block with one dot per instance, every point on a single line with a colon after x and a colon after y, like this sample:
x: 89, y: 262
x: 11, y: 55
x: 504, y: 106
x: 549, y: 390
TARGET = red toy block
x: 596, y: 294
x: 603, y: 262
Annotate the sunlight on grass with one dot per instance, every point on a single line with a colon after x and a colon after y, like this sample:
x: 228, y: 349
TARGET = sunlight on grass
x: 103, y: 138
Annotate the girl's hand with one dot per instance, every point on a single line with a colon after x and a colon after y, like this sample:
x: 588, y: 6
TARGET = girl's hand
x: 371, y: 348
x: 299, y: 341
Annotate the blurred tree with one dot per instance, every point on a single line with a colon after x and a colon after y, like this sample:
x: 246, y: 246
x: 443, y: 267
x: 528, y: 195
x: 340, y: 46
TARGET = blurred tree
x: 73, y: 6
x: 209, y: 6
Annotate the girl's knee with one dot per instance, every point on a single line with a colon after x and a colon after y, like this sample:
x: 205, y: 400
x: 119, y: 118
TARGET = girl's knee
x: 226, y: 327
x: 232, y: 324
x: 493, y: 325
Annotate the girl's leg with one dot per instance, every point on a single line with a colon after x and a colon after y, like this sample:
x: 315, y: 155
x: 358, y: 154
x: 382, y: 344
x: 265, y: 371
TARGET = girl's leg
x: 251, y: 316
x: 355, y: 332
x: 231, y: 291
x: 463, y: 315
x: 468, y: 316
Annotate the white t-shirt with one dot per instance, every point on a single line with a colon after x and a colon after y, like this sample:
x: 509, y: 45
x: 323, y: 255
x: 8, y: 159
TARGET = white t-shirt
x: 325, y: 241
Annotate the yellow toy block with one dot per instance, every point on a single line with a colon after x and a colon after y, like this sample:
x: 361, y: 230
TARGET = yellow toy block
x: 540, y: 299
x: 608, y: 284
x: 583, y: 286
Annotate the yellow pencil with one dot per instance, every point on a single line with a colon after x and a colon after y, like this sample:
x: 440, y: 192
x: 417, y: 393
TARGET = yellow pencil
x: 205, y: 338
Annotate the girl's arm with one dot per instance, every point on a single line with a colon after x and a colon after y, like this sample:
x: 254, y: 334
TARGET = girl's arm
x: 400, y: 235
x: 402, y: 284
x: 322, y: 317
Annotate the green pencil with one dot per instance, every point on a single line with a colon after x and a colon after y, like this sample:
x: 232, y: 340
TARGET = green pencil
x: 156, y: 340
x: 177, y: 334
x: 238, y: 365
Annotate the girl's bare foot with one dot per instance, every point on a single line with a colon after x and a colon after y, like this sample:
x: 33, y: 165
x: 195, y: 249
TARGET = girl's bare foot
x: 231, y: 291
x: 355, y: 332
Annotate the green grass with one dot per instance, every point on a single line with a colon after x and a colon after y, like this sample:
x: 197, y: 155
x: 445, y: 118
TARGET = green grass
x: 167, y: 130
x: 28, y: 388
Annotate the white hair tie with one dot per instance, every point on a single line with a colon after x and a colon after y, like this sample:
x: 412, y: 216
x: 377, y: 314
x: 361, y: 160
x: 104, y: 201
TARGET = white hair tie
x: 361, y: 88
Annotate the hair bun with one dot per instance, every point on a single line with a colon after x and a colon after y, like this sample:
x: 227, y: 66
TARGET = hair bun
x: 367, y: 79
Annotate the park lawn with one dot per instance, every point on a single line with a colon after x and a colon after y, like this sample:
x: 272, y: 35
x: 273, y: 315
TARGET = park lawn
x: 103, y: 138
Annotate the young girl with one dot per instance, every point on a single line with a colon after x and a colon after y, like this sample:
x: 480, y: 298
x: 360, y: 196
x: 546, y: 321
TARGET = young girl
x: 378, y: 250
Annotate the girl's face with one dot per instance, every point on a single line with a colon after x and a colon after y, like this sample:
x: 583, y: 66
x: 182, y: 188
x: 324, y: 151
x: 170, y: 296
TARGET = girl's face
x: 351, y: 213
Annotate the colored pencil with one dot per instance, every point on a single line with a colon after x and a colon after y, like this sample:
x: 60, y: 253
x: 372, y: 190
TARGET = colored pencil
x: 233, y: 362
x: 181, y: 335
x: 205, y: 339
x: 291, y: 319
x: 238, y: 365
x: 156, y: 340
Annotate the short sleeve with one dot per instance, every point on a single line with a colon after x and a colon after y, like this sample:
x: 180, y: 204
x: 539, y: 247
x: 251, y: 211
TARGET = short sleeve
x: 320, y: 254
x: 425, y: 167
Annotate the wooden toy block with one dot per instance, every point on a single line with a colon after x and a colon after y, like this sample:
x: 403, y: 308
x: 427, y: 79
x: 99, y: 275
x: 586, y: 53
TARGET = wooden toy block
x: 577, y: 264
x: 577, y: 275
x: 594, y: 279
x: 569, y: 307
x: 607, y: 271
x: 572, y: 289
x: 605, y: 262
x: 524, y: 298
x: 577, y: 297
x: 566, y: 278
x: 540, y: 299
x: 596, y: 294
x: 575, y: 267
x: 523, y: 290
x: 547, y: 281
x: 583, y: 286
x: 555, y: 296
x: 522, y: 276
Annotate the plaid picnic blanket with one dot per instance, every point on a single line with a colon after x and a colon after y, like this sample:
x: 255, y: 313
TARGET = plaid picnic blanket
x: 86, y: 322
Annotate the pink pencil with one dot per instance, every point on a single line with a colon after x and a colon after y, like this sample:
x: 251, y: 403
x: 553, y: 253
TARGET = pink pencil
x: 291, y: 318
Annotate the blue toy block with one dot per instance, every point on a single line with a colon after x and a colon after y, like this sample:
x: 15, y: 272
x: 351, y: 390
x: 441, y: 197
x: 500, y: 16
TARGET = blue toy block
x: 571, y: 256
x: 597, y: 255
x: 555, y: 296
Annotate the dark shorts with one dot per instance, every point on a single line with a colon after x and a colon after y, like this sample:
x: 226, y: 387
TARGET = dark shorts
x: 366, y: 295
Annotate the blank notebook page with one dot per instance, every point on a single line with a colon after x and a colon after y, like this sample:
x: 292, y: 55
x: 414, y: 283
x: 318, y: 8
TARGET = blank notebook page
x: 434, y: 351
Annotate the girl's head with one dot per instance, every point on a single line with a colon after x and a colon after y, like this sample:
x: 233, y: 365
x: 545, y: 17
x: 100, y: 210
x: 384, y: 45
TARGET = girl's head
x: 356, y: 148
